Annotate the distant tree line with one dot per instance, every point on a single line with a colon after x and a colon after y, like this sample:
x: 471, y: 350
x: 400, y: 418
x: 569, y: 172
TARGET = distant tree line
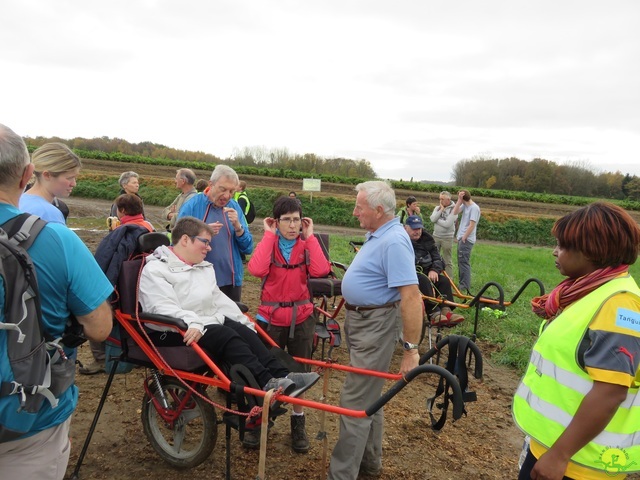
x: 143, y: 149
x: 544, y: 176
x: 279, y: 158
x: 512, y: 174
x: 309, y: 162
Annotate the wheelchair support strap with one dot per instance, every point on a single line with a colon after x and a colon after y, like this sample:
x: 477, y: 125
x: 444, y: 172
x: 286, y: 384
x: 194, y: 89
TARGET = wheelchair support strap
x: 264, y: 429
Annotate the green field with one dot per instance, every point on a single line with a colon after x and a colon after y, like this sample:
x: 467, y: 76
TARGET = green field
x: 510, y: 266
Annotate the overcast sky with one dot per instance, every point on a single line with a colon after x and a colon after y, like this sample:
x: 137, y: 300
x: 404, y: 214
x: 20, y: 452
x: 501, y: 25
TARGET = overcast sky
x: 411, y: 86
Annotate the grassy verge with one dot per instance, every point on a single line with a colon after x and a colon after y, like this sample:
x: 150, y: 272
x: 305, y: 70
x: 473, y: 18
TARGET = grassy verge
x: 514, y: 333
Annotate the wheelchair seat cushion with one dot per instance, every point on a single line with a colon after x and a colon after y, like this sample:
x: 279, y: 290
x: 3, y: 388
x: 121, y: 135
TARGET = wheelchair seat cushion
x: 325, y: 287
x: 178, y: 357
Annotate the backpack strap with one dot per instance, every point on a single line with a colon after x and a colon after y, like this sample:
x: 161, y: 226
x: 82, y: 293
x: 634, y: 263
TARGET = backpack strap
x: 23, y: 229
x: 294, y: 305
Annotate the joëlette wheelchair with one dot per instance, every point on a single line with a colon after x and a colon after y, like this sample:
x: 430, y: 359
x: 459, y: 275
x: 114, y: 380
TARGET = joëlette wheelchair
x: 181, y: 421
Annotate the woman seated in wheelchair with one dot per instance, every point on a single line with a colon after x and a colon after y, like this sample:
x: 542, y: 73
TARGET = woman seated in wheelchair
x: 177, y: 281
x: 431, y: 282
x: 284, y: 260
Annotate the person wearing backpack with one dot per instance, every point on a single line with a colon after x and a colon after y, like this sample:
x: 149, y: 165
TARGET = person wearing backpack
x: 242, y: 198
x: 284, y: 259
x: 35, y: 444
x: 412, y: 208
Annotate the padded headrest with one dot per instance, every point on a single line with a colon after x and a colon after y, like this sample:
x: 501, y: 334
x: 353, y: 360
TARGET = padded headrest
x: 323, y: 239
x: 148, y: 242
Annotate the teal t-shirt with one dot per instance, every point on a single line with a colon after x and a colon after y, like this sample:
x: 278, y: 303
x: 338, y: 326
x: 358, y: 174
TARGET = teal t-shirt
x: 69, y: 280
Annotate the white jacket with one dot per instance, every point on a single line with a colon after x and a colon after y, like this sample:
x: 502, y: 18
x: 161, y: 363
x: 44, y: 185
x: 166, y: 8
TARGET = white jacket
x: 168, y: 286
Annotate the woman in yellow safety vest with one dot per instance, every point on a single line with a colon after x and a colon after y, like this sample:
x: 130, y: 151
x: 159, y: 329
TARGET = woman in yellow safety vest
x: 578, y: 401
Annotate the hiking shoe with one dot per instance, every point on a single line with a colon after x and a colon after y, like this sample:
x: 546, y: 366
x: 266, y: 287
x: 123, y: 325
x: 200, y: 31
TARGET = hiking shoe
x: 251, y: 439
x: 91, y: 369
x: 303, y: 382
x: 286, y: 384
x: 437, y: 318
x: 252, y: 432
x: 299, y: 439
x: 451, y: 318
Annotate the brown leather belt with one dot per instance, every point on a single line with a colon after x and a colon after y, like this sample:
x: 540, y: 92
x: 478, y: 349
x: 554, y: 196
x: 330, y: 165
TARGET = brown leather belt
x: 356, y: 308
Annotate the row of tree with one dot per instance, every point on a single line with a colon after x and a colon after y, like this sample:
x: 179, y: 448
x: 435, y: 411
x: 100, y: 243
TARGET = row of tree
x: 537, y: 176
x: 143, y: 149
x: 544, y: 176
x: 279, y: 158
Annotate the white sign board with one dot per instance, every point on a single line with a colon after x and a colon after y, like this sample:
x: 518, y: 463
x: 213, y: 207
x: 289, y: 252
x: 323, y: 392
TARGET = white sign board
x: 311, y: 184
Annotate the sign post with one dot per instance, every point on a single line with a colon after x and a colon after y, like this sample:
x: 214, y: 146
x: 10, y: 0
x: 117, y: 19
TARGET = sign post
x: 311, y: 185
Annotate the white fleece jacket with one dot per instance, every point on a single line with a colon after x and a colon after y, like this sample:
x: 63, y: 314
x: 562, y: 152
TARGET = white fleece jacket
x: 168, y: 286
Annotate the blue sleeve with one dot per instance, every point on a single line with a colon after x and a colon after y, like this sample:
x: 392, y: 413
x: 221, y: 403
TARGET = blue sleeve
x: 245, y: 241
x: 399, y: 261
x: 69, y: 278
x: 88, y: 285
x: 188, y: 209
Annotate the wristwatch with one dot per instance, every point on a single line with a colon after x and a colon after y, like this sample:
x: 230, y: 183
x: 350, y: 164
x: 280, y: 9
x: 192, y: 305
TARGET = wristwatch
x: 410, y: 346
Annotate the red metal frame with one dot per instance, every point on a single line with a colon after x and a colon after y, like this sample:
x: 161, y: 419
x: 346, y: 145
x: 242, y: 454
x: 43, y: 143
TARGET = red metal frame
x: 220, y: 380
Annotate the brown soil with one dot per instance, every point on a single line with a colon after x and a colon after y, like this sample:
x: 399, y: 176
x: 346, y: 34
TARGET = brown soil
x: 485, y: 444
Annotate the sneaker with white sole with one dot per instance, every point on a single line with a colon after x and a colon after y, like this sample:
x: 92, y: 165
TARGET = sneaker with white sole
x: 303, y: 382
x: 286, y: 384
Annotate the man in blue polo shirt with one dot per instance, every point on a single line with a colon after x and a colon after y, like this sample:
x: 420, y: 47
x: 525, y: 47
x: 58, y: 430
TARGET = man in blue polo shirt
x: 70, y: 282
x: 379, y: 286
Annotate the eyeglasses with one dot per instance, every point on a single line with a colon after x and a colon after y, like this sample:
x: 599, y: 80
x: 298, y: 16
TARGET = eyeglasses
x: 206, y: 241
x: 289, y: 220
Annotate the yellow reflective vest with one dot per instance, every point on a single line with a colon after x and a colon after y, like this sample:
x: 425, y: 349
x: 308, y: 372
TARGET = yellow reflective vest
x: 554, y: 386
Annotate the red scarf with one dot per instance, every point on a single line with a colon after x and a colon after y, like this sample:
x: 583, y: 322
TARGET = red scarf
x: 572, y: 289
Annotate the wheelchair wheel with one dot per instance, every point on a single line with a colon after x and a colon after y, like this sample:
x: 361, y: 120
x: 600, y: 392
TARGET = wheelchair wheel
x: 190, y: 438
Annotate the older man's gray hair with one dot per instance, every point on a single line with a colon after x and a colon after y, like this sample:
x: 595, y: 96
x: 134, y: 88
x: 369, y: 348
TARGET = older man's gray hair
x: 14, y: 156
x: 379, y: 193
x: 224, y: 171
x: 188, y: 175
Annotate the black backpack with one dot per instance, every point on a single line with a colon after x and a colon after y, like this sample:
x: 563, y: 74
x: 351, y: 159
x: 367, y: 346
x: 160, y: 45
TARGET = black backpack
x: 33, y: 365
x: 247, y: 207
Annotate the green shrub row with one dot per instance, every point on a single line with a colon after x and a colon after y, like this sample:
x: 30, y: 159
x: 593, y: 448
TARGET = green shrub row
x: 324, y: 210
x: 406, y: 185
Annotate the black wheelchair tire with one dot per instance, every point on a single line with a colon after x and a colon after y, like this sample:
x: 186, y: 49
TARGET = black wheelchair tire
x: 196, y: 433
